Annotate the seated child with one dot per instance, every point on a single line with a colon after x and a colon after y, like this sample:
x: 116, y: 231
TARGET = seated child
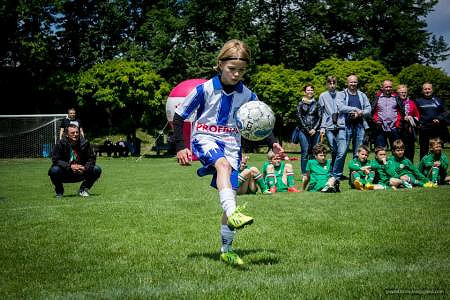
x: 249, y: 179
x: 381, y: 180
x: 278, y: 174
x: 434, y: 165
x: 361, y: 173
x: 400, y: 167
x: 318, y: 176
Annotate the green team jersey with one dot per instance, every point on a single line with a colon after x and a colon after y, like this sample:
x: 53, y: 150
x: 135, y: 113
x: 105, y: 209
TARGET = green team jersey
x: 355, y: 166
x: 427, y: 163
x: 318, y: 174
x: 381, y: 177
x: 279, y: 170
x: 398, y: 167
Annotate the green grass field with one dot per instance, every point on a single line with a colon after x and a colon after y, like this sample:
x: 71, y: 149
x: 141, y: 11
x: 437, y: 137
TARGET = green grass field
x: 151, y: 230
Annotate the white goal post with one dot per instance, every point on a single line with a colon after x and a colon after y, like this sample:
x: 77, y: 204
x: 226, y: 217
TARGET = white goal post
x: 27, y: 136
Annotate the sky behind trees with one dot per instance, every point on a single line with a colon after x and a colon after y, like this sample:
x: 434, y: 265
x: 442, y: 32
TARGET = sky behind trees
x: 439, y: 24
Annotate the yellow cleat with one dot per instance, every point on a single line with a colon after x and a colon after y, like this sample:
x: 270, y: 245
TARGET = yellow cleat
x: 358, y: 185
x: 429, y: 184
x: 231, y: 258
x: 238, y: 220
x: 369, y: 186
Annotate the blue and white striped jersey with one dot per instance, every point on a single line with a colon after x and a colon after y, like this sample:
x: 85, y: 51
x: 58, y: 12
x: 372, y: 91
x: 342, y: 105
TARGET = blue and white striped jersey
x: 216, y: 110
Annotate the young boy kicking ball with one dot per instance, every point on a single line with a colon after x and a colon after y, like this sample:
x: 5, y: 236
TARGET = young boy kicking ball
x: 318, y: 172
x: 278, y: 174
x: 361, y: 174
x: 214, y: 103
x: 402, y: 168
x: 434, y: 165
x: 250, y: 179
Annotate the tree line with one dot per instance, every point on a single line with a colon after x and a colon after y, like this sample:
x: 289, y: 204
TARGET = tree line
x: 54, y: 51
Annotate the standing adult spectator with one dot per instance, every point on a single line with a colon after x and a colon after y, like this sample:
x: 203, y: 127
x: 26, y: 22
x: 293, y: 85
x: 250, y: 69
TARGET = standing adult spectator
x: 408, y: 126
x: 73, y: 161
x: 70, y: 119
x: 335, y: 132
x: 328, y: 125
x: 309, y: 116
x: 387, y: 114
x: 353, y: 107
x: 433, y: 118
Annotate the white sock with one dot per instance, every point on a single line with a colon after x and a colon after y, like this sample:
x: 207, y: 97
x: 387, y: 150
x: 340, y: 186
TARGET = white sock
x: 228, y: 201
x: 227, y: 236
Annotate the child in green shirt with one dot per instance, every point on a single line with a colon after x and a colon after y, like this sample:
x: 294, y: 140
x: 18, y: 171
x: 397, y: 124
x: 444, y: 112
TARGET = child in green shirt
x: 279, y: 176
x: 249, y: 179
x: 361, y: 173
x: 434, y: 165
x: 318, y: 176
x: 382, y: 181
x: 400, y: 167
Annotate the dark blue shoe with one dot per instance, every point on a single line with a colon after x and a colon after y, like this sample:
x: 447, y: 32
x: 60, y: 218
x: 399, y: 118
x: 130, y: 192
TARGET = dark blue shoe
x: 203, y: 171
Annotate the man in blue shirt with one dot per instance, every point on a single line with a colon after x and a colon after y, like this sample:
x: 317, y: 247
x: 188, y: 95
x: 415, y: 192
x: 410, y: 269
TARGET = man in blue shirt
x: 353, y: 107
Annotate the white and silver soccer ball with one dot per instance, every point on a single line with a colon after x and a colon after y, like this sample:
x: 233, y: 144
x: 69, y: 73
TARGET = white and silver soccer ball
x: 255, y: 120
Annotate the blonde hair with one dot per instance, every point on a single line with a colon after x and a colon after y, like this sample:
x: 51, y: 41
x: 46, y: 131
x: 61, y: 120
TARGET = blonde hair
x: 233, y: 50
x: 402, y: 86
x: 331, y: 79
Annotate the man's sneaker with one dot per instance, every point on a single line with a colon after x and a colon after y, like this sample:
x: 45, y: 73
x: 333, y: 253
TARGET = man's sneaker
x: 407, y: 185
x: 369, y: 186
x: 58, y: 195
x: 238, y: 220
x: 428, y: 184
x: 293, y: 189
x: 358, y: 185
x: 267, y: 192
x: 231, y: 258
x: 328, y: 189
x: 84, y: 193
x: 273, y: 189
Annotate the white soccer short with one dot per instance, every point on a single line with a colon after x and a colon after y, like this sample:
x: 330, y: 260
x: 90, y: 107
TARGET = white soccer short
x: 209, y: 149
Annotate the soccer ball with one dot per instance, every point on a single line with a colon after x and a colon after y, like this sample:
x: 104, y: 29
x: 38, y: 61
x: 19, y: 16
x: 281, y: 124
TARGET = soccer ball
x: 255, y: 120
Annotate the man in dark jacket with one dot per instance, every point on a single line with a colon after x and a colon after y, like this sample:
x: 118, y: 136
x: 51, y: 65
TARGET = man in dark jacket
x: 433, y: 118
x: 73, y: 161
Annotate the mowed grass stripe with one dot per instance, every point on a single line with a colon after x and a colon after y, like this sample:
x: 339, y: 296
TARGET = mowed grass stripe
x: 151, y: 230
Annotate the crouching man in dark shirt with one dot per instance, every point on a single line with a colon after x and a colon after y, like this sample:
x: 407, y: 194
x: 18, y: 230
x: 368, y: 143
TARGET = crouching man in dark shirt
x: 73, y: 161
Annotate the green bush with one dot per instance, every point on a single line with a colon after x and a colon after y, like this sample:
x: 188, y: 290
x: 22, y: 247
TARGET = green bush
x: 370, y: 74
x: 415, y: 75
x: 282, y: 89
x: 130, y: 92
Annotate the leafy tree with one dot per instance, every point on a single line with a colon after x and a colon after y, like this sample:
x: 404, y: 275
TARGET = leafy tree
x: 415, y: 75
x: 282, y: 89
x: 128, y: 91
x: 27, y: 49
x: 393, y: 32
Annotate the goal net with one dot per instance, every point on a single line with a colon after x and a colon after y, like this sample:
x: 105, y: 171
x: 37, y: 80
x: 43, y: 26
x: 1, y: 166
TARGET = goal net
x: 24, y: 136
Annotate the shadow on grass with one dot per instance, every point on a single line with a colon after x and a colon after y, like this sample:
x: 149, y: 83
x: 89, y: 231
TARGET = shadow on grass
x: 70, y: 196
x: 257, y: 256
